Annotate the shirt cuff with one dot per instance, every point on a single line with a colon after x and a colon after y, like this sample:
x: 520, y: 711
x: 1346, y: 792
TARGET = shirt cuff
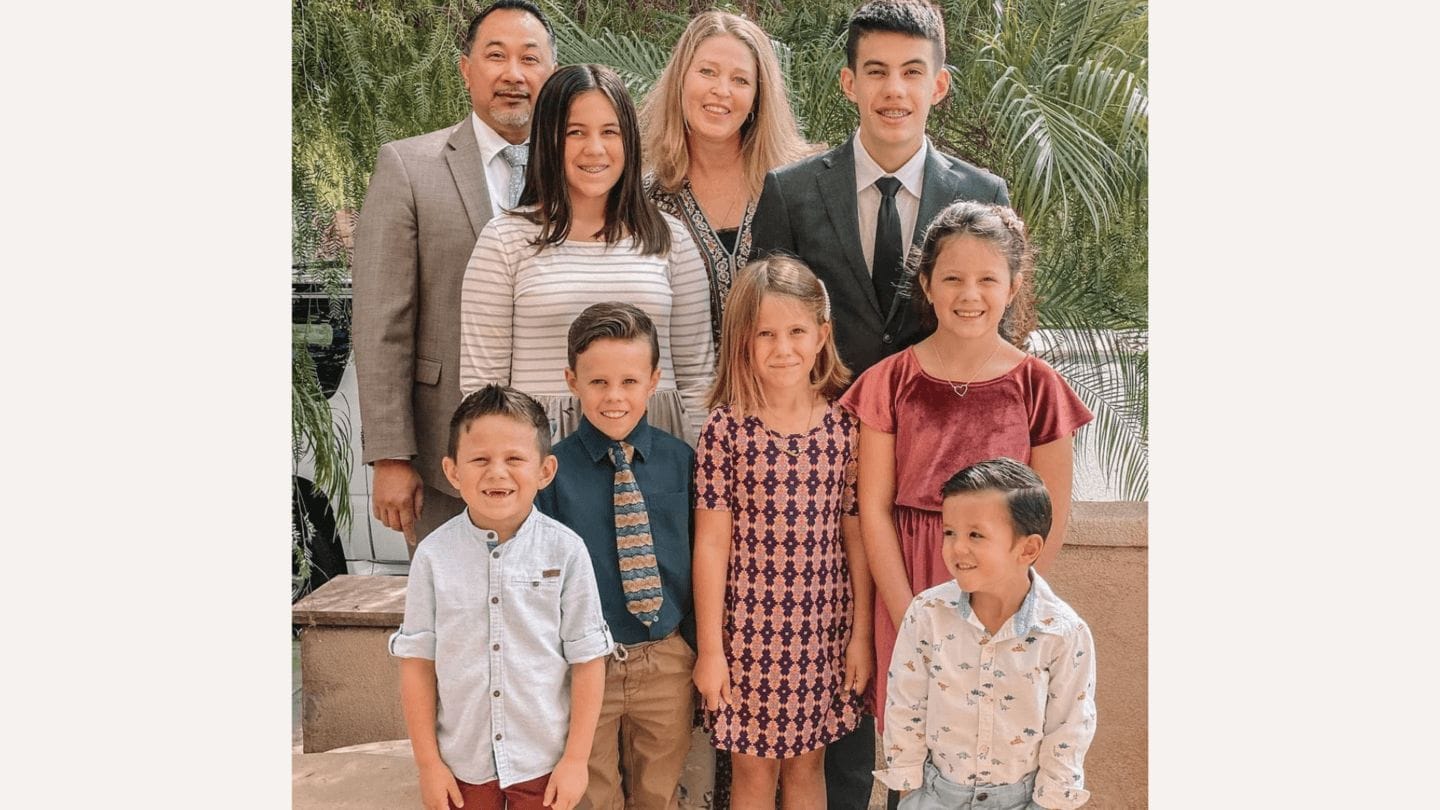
x: 1057, y: 797
x: 584, y: 649
x: 413, y: 645
x: 907, y: 778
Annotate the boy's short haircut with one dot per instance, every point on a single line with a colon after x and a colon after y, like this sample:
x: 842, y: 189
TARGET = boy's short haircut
x: 611, y: 320
x: 916, y: 18
x: 1024, y: 492
x: 501, y: 400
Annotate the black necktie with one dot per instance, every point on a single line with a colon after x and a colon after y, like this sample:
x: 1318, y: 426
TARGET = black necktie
x: 889, y: 257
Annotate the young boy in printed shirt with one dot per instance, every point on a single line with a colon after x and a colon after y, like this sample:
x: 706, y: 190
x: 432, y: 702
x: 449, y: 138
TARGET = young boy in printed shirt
x: 992, y: 686
x: 503, y: 642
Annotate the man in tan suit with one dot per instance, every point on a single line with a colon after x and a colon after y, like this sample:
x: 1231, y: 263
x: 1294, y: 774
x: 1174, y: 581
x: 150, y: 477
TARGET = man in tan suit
x: 428, y: 200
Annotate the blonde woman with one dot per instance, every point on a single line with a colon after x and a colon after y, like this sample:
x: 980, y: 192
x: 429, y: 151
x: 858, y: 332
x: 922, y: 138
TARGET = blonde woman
x: 716, y: 121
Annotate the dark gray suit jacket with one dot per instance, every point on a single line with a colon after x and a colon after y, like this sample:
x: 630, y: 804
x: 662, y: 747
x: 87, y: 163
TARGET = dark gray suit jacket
x: 808, y: 210
x: 424, y: 209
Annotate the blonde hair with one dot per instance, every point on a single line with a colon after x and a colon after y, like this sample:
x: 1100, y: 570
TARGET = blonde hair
x: 735, y: 381
x: 768, y: 139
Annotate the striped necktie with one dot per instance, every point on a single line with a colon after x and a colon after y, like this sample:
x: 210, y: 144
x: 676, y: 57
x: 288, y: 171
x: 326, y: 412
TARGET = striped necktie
x: 639, y: 570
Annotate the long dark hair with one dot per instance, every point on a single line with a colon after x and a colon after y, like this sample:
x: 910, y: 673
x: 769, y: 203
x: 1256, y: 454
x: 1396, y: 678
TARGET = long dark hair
x: 627, y: 209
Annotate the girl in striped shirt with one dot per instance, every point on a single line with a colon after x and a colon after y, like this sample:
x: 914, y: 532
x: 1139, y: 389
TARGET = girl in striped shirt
x: 584, y: 231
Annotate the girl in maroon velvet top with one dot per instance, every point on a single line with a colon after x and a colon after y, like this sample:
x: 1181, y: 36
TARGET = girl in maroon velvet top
x: 965, y: 394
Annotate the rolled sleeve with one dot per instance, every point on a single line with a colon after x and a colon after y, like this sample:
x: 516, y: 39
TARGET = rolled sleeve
x: 583, y: 632
x: 416, y: 636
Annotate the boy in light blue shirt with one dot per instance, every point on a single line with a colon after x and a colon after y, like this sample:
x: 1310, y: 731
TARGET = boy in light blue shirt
x: 504, y: 640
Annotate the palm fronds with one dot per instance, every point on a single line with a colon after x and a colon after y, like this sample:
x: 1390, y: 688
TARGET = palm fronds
x: 1050, y: 94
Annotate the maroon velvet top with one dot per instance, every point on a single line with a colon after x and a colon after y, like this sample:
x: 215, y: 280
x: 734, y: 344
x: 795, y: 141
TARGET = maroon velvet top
x: 938, y: 433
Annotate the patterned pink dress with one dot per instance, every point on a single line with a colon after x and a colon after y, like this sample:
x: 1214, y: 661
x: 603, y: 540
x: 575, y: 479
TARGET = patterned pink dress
x: 937, y: 434
x: 788, y: 602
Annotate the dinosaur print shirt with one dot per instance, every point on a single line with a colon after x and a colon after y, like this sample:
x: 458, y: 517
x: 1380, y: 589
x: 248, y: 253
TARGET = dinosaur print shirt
x: 990, y: 709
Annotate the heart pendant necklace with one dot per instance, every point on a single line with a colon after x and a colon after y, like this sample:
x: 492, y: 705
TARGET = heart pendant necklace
x: 961, y: 389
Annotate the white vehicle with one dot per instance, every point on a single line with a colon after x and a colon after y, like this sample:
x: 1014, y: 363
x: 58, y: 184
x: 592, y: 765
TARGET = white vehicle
x: 365, y: 546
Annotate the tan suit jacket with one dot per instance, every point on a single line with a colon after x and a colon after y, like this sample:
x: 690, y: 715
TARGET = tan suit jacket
x: 425, y: 207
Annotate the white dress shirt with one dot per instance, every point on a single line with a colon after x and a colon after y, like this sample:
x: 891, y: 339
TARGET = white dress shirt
x: 497, y: 169
x: 990, y: 709
x: 503, y: 627
x: 867, y: 196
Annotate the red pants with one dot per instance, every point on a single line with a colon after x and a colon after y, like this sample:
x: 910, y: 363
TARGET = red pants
x: 489, y: 796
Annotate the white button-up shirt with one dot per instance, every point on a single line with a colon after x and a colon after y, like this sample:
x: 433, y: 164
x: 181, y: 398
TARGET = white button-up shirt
x: 497, y: 169
x: 867, y: 197
x: 503, y: 627
x: 989, y: 709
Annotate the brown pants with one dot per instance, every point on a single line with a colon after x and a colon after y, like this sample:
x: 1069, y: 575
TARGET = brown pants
x: 644, y: 730
x: 490, y: 796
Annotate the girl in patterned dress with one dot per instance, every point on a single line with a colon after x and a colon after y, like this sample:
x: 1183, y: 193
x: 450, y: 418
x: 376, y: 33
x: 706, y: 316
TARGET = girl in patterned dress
x: 967, y: 393
x: 782, y: 592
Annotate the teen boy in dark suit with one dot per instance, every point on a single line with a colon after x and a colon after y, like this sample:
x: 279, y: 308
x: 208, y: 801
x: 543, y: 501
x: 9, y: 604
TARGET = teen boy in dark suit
x: 852, y: 213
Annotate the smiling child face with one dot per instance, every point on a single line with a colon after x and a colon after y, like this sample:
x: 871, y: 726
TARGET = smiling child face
x: 498, y: 469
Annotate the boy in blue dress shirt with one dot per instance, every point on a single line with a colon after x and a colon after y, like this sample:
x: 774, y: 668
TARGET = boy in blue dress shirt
x: 626, y: 489
x: 501, y: 650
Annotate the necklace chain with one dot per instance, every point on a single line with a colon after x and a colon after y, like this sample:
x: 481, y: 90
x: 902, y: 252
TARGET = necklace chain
x: 734, y: 200
x: 810, y: 424
x: 963, y: 388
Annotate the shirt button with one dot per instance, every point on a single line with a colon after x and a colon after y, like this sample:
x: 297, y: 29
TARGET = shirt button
x: 495, y: 554
x: 496, y: 693
x: 494, y: 600
x: 985, y: 640
x: 886, y: 338
x: 497, y: 736
x: 494, y: 646
x: 979, y: 797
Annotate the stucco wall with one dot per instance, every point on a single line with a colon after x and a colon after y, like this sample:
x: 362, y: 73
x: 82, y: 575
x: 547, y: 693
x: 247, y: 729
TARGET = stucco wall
x: 1102, y: 572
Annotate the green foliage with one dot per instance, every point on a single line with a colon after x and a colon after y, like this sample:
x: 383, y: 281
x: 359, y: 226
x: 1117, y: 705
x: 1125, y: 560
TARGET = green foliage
x: 1097, y: 329
x: 1050, y: 94
x: 313, y: 430
x: 364, y: 73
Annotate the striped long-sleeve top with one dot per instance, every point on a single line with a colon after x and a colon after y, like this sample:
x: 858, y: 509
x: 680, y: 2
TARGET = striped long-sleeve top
x: 516, y: 306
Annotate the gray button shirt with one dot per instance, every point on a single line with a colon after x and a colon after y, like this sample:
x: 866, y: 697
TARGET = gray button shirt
x: 503, y: 628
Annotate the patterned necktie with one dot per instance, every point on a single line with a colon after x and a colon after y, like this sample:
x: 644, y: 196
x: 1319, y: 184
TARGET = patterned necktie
x: 639, y: 570
x: 889, y: 257
x: 517, y: 155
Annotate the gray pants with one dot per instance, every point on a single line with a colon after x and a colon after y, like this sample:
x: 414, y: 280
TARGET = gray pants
x: 939, y: 793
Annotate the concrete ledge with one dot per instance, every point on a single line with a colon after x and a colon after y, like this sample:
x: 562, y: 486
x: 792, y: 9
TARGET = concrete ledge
x: 1109, y: 523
